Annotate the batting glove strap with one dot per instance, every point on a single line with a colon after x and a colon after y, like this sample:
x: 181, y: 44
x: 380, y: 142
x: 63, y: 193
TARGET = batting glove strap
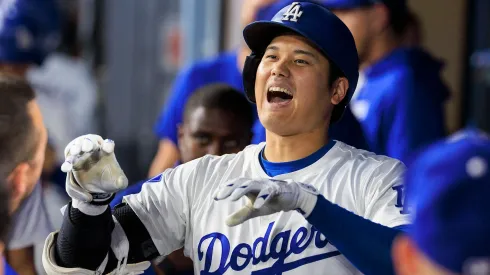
x: 101, y: 198
x: 307, y: 198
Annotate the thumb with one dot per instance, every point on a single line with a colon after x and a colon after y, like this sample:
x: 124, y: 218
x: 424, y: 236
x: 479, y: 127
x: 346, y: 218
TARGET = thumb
x: 240, y: 216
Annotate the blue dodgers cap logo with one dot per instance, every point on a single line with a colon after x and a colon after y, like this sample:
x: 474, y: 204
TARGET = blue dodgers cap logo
x: 293, y: 13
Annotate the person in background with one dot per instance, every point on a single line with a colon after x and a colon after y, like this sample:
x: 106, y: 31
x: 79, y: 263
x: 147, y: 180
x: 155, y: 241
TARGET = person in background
x: 23, y: 140
x: 449, y: 234
x: 401, y: 95
x: 30, y: 31
x: 217, y: 120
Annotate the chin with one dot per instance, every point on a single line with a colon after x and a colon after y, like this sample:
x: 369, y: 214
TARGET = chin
x: 278, y: 125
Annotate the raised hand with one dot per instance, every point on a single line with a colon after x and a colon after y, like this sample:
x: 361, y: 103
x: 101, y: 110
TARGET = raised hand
x: 93, y: 173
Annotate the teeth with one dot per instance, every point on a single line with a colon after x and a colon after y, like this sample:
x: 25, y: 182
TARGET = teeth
x: 279, y: 89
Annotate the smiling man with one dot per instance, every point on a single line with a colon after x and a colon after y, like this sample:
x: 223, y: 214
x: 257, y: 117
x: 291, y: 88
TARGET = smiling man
x: 300, y: 203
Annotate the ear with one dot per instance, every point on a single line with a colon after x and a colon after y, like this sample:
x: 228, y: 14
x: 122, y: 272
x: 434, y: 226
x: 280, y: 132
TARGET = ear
x: 405, y: 255
x: 380, y: 16
x: 339, y: 90
x: 17, y: 182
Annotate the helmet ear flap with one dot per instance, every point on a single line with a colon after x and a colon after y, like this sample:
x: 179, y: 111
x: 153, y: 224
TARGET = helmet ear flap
x: 249, y: 73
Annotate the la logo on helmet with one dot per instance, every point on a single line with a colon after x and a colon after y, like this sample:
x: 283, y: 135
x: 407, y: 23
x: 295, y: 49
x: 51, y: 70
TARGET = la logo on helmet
x: 293, y: 13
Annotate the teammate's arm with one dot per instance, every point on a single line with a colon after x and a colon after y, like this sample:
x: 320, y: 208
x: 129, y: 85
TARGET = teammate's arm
x: 166, y: 157
x: 22, y: 260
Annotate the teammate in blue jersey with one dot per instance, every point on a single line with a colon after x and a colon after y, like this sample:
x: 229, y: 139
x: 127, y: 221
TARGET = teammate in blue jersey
x: 227, y: 68
x: 449, y: 187
x: 401, y: 96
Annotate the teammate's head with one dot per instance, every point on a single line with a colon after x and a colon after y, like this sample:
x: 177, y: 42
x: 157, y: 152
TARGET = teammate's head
x: 29, y: 31
x: 371, y: 20
x: 300, y: 75
x: 23, y: 137
x: 217, y: 120
x: 448, y: 186
x: 413, y: 35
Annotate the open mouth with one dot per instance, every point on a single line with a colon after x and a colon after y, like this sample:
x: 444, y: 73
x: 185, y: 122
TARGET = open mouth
x: 279, y: 95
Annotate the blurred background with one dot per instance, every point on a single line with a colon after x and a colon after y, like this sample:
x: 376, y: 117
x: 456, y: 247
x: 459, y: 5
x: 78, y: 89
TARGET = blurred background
x: 129, y: 52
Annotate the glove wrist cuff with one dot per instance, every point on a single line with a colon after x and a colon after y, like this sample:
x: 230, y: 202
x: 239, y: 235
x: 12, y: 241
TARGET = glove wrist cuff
x: 308, y: 197
x: 102, y: 198
x: 88, y: 208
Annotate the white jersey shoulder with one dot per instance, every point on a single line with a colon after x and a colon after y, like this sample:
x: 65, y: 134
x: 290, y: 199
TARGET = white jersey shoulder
x: 178, y: 210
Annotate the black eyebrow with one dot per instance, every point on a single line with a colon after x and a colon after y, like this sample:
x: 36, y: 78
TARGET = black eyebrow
x: 272, y: 48
x: 298, y: 51
x: 305, y: 53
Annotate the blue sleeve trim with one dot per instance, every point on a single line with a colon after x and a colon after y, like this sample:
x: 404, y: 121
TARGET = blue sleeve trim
x: 133, y: 189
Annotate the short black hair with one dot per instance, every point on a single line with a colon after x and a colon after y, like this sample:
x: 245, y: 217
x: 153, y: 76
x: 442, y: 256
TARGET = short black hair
x: 222, y: 97
x: 4, y: 208
x: 17, y: 133
x: 399, y: 16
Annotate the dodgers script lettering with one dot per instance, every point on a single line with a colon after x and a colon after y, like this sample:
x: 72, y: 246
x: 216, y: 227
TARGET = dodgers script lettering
x: 262, y: 250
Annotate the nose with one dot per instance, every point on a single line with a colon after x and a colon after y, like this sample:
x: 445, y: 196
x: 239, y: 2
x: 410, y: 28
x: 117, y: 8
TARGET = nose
x: 215, y: 148
x: 280, y: 68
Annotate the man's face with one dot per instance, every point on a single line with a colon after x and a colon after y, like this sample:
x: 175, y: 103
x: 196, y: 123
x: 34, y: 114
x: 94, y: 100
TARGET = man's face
x: 212, y: 131
x: 291, y: 87
x: 360, y: 23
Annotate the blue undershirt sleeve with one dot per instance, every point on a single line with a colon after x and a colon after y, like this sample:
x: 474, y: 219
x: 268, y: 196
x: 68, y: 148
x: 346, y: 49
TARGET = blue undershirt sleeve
x: 367, y: 245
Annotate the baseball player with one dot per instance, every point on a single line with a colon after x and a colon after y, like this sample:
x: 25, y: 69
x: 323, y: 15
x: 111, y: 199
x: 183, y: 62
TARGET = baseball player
x: 227, y: 68
x: 450, y: 234
x: 296, y: 204
x: 395, y: 77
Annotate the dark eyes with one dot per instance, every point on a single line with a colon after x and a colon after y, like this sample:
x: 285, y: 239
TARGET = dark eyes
x: 297, y: 61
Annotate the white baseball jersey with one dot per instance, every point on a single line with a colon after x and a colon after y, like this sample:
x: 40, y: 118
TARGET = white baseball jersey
x: 178, y: 210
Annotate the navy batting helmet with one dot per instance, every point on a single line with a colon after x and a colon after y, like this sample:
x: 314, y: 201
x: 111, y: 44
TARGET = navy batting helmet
x: 29, y: 30
x: 320, y: 27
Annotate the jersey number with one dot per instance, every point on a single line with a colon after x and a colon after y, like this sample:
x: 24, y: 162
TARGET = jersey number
x: 293, y: 13
x: 400, y: 199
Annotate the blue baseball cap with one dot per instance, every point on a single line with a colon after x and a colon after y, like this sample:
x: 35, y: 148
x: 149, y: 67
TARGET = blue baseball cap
x: 29, y: 30
x: 353, y: 4
x: 320, y: 27
x: 268, y: 11
x: 448, y: 186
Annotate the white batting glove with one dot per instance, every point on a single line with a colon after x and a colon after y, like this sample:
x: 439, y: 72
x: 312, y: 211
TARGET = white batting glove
x: 267, y: 196
x: 93, y: 174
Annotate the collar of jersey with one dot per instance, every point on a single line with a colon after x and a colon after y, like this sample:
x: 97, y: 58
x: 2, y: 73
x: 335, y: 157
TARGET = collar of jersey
x: 273, y: 169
